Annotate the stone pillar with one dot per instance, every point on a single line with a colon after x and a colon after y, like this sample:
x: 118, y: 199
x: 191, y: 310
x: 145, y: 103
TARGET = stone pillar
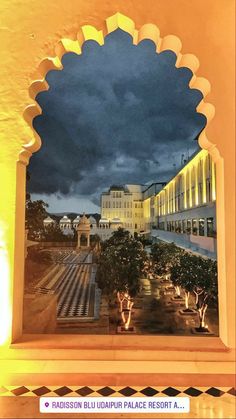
x: 205, y: 226
x: 213, y: 180
x: 190, y: 188
x: 185, y: 190
x: 173, y: 186
x: 204, y: 179
x: 168, y: 200
x: 78, y: 240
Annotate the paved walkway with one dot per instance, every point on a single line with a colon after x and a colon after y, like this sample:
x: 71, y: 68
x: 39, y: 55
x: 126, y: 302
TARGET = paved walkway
x: 72, y: 278
x: 156, y: 313
x: 79, y: 309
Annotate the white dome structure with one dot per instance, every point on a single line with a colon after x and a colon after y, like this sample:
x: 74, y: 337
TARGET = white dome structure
x: 103, y: 220
x: 76, y: 221
x: 65, y: 218
x: 116, y: 221
x: 65, y: 222
x: 103, y: 223
x: 48, y: 221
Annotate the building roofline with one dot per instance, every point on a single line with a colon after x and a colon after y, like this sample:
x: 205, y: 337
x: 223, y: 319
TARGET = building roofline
x: 183, y: 166
x: 154, y: 183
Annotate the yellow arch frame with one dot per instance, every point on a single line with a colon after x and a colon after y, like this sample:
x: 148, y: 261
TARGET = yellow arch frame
x: 13, y: 293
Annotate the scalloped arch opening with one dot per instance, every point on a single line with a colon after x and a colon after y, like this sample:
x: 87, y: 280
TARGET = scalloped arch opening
x: 148, y: 31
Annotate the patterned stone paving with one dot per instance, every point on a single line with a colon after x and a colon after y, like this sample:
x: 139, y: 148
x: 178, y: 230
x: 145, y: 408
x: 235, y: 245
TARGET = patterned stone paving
x: 73, y: 279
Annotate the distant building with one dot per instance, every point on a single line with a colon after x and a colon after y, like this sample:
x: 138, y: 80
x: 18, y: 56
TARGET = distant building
x: 68, y: 226
x: 65, y: 225
x: 75, y: 222
x: 48, y: 222
x: 93, y: 222
x: 123, y: 206
x: 181, y: 210
x: 65, y: 222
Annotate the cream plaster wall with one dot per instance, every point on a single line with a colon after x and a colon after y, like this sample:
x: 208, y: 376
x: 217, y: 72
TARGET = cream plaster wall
x: 30, y: 31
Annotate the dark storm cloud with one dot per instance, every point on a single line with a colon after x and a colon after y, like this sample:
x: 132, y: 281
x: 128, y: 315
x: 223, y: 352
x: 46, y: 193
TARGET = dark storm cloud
x: 115, y: 114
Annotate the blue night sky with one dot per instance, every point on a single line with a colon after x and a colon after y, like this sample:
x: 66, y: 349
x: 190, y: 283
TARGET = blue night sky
x: 115, y: 114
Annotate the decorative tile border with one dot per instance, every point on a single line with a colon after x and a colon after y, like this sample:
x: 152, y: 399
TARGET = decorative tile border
x: 39, y: 391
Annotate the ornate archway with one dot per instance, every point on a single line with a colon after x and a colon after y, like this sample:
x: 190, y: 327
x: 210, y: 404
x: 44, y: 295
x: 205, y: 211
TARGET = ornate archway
x: 147, y: 31
x: 86, y: 32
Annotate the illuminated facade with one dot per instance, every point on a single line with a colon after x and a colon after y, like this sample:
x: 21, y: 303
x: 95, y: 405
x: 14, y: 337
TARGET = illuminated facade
x: 65, y: 223
x: 181, y: 211
x: 48, y: 222
x: 193, y: 187
x: 123, y: 204
x: 127, y: 206
x: 184, y: 206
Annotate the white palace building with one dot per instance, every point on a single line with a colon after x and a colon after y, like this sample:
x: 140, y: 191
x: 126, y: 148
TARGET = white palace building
x: 182, y: 210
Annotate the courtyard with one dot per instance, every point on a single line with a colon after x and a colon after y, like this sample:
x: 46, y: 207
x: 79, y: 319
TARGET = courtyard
x: 81, y: 308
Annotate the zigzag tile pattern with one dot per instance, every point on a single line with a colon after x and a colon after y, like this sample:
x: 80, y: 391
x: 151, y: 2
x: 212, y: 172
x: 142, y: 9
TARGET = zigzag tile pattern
x: 108, y: 391
x: 73, y: 279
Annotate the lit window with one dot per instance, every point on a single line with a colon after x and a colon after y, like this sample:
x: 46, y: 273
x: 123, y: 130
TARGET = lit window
x: 201, y: 227
x: 194, y: 225
x: 189, y: 226
x: 210, y: 227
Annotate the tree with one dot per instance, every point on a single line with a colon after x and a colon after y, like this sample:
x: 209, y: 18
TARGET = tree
x: 175, y: 275
x: 206, y: 289
x: 53, y: 233
x: 120, y: 266
x: 95, y: 241
x: 39, y: 256
x: 164, y: 256
x: 185, y: 273
x: 35, y: 214
x: 198, y: 275
x: 121, y: 263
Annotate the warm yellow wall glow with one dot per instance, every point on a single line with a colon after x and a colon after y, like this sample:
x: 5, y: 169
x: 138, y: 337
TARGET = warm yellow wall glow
x: 204, y: 179
x: 187, y: 172
x: 190, y: 185
x: 185, y: 187
x: 146, y: 209
x: 173, y: 196
x: 35, y: 35
x: 196, y: 184
x: 213, y: 168
x: 5, y: 297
